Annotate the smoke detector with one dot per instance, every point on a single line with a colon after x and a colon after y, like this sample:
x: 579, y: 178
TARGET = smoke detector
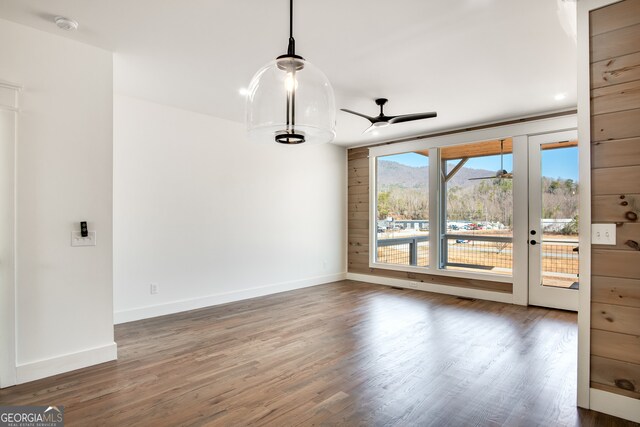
x: 66, y: 23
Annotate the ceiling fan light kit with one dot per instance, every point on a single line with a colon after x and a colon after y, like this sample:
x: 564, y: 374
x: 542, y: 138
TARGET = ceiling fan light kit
x: 383, y: 120
x: 291, y: 101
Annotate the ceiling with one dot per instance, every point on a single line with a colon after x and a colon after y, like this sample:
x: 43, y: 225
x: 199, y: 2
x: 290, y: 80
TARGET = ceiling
x: 472, y: 61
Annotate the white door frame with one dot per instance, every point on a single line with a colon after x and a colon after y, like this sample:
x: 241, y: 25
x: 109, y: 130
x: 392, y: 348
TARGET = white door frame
x: 9, y: 104
x: 546, y: 296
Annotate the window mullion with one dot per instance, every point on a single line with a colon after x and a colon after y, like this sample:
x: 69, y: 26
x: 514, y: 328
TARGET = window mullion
x: 435, y: 172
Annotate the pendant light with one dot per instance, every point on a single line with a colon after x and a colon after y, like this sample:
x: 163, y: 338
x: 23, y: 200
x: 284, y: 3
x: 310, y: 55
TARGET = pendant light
x: 290, y: 101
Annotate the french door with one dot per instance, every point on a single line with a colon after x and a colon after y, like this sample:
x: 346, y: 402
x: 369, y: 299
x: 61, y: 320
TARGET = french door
x: 553, y: 220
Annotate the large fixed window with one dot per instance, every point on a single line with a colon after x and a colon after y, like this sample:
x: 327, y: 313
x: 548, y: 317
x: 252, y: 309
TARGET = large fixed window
x: 402, y: 209
x: 477, y: 207
x: 456, y: 219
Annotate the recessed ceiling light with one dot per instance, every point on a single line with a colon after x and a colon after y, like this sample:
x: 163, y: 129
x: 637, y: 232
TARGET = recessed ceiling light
x: 243, y: 91
x: 560, y: 96
x: 66, y: 23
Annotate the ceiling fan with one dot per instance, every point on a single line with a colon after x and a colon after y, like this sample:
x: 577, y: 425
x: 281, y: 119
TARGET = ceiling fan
x: 382, y: 120
x: 500, y: 174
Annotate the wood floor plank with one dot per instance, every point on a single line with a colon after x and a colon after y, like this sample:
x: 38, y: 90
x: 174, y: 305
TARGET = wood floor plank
x: 346, y: 353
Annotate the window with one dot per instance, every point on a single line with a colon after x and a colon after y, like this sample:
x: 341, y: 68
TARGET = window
x: 402, y: 209
x: 559, y: 216
x: 469, y: 196
x: 450, y: 204
x: 477, y: 207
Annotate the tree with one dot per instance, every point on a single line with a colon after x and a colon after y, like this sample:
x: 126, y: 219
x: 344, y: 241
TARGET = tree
x: 572, y: 227
x: 383, y: 204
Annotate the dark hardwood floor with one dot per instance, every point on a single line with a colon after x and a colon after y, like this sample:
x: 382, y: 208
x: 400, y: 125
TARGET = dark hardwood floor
x: 346, y: 353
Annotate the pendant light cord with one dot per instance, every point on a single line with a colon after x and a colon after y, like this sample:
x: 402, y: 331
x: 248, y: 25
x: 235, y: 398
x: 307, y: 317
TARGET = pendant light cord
x: 291, y: 49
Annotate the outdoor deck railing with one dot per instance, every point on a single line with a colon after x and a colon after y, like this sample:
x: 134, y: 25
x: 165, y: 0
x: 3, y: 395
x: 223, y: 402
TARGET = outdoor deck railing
x: 480, y: 252
x: 395, y: 253
x: 477, y: 251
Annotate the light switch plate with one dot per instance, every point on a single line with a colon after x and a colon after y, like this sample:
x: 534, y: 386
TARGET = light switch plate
x: 603, y: 234
x: 78, y: 240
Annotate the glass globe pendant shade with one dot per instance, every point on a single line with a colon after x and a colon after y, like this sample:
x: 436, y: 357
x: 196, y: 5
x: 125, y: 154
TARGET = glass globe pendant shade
x: 290, y: 101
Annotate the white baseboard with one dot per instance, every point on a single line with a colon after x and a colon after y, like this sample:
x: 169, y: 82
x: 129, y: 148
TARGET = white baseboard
x: 614, y: 404
x: 432, y: 287
x: 221, y: 298
x: 65, y: 363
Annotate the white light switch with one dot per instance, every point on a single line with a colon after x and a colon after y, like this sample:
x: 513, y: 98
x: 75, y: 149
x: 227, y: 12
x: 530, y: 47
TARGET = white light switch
x: 78, y: 240
x: 603, y: 234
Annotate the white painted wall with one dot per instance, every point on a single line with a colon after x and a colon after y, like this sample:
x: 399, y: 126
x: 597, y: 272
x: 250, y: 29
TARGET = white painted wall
x: 7, y: 237
x: 211, y: 218
x: 64, y: 300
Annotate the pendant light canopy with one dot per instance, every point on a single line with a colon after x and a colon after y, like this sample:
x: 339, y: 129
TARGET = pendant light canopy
x: 290, y: 101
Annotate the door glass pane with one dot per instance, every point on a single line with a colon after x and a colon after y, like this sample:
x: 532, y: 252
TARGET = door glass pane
x: 402, y: 211
x: 559, y: 220
x: 477, y: 205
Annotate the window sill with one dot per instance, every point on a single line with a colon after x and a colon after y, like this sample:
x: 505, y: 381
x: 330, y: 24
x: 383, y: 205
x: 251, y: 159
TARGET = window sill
x: 440, y: 272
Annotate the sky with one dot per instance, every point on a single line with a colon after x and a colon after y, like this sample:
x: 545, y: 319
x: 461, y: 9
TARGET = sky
x: 559, y: 163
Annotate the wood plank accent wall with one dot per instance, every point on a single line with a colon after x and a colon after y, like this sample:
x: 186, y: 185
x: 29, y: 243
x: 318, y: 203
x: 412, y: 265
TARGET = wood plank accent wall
x: 615, y: 195
x: 358, y: 232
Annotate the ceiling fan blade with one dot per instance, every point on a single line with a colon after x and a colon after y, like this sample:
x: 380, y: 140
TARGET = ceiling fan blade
x: 482, y: 177
x: 412, y: 117
x: 368, y: 130
x: 507, y: 175
x: 371, y: 119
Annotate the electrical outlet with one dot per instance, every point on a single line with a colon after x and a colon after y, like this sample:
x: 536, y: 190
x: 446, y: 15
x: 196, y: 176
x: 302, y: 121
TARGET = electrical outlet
x: 78, y: 240
x: 603, y: 234
x: 153, y: 288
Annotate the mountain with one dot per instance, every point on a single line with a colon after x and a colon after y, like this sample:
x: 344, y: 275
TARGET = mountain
x: 399, y: 175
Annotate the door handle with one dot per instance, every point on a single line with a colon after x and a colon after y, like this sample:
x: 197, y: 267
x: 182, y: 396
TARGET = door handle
x: 533, y: 242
